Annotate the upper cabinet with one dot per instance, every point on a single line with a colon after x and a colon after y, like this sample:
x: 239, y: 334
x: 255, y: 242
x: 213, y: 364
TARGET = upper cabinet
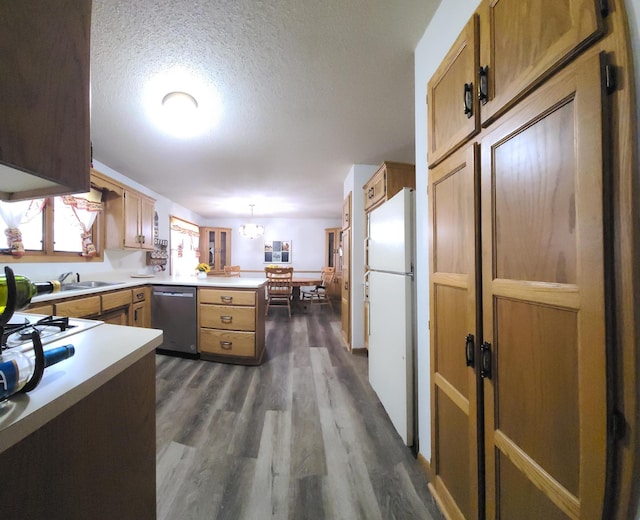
x: 523, y: 43
x: 44, y: 98
x: 386, y: 182
x: 215, y: 247
x: 452, y: 104
x: 505, y: 51
x: 129, y: 214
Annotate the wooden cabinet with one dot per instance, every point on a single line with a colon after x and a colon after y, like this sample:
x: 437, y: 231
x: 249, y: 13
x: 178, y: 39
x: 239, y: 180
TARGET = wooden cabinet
x: 129, y: 215
x: 346, y: 287
x: 505, y: 51
x: 386, y: 182
x: 333, y: 258
x: 215, y: 248
x: 517, y: 285
x: 346, y: 212
x: 231, y: 325
x: 138, y: 220
x: 522, y: 43
x: 116, y: 307
x: 44, y: 98
x: 453, y: 115
x: 81, y: 307
x: 141, y: 307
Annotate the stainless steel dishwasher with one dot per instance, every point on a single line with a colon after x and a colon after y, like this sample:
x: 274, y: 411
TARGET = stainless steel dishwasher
x: 174, y: 310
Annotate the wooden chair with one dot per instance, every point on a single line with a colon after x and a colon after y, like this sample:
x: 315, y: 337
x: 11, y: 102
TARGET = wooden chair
x: 232, y: 270
x: 279, y: 287
x: 318, y: 294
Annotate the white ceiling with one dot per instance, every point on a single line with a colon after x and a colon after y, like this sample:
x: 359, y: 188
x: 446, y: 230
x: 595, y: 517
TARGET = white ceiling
x: 308, y: 88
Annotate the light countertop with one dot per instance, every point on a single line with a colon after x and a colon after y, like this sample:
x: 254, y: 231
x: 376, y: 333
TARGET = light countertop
x: 101, y: 353
x: 119, y: 282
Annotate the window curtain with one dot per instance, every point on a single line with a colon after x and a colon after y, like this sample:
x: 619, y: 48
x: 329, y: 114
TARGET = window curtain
x: 86, y: 207
x: 14, y: 214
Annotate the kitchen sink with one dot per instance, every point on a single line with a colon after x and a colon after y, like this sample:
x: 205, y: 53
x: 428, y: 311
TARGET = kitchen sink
x: 90, y: 284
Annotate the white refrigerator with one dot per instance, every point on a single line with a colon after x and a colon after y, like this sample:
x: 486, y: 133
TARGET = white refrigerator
x: 390, y: 297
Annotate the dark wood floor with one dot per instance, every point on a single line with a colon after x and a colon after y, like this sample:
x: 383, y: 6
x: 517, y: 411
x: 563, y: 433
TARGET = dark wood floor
x: 302, y: 437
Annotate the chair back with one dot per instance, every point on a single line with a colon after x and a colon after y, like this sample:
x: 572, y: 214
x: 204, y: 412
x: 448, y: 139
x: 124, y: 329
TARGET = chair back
x: 232, y: 270
x: 279, y: 280
x: 327, y: 274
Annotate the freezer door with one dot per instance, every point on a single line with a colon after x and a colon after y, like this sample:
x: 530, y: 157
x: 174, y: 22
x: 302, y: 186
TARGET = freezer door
x: 391, y: 348
x: 391, y: 234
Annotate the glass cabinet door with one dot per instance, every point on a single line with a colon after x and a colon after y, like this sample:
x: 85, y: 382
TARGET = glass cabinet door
x: 212, y: 249
x: 223, y: 243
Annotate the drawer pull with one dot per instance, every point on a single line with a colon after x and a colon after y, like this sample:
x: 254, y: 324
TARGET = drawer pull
x: 226, y: 345
x: 140, y: 296
x: 226, y: 319
x: 226, y: 299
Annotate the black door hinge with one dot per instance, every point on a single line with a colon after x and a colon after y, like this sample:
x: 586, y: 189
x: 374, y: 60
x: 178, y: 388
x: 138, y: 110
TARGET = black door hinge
x: 604, y: 8
x: 610, y: 78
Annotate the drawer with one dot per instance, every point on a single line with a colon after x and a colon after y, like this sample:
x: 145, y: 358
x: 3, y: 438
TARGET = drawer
x: 139, y: 295
x: 115, y: 300
x: 46, y: 308
x: 228, y: 317
x: 79, y: 307
x: 227, y: 297
x: 227, y: 343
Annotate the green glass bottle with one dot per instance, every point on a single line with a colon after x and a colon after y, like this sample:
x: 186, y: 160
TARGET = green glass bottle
x: 26, y: 289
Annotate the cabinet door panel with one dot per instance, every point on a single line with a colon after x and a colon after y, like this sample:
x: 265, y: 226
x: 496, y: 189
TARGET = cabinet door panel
x: 147, y: 210
x: 449, y: 125
x: 453, y: 279
x: 131, y: 211
x: 524, y: 42
x: 543, y: 297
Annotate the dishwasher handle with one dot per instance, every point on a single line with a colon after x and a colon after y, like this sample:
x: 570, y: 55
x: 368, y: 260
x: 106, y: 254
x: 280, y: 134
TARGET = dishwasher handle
x: 174, y: 294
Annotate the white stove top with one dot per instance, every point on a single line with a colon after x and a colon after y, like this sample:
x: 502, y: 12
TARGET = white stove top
x: 48, y: 334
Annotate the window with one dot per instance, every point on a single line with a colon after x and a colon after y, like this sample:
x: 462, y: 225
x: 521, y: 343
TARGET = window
x: 185, y: 246
x: 56, y: 229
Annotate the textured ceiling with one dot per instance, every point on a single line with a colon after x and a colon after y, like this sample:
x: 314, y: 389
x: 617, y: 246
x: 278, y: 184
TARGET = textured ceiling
x: 307, y: 87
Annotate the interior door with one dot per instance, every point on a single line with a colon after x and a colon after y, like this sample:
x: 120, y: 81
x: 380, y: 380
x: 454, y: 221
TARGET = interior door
x: 544, y: 303
x: 454, y: 332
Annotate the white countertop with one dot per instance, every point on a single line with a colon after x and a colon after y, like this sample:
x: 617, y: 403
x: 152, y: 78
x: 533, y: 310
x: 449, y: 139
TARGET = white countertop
x: 101, y: 353
x: 134, y: 281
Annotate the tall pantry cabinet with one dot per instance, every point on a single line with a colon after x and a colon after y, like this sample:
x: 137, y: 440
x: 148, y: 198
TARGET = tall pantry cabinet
x: 521, y: 251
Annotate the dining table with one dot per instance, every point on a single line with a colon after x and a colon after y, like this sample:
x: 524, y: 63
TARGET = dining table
x: 298, y: 282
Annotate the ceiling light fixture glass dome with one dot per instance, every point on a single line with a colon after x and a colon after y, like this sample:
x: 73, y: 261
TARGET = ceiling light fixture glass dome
x: 251, y: 230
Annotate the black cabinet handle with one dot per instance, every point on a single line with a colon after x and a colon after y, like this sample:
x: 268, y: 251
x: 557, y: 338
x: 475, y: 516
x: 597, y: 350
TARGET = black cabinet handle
x: 469, y: 349
x: 483, y: 87
x: 485, y: 360
x: 468, y: 99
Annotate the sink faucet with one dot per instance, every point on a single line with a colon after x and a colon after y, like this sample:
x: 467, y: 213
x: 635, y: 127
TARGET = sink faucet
x: 64, y: 276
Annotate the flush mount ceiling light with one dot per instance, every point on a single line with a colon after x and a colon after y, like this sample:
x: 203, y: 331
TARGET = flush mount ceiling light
x: 179, y: 102
x: 251, y: 230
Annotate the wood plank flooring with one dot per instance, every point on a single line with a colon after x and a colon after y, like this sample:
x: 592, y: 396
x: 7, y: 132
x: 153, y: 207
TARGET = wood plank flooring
x: 303, y: 436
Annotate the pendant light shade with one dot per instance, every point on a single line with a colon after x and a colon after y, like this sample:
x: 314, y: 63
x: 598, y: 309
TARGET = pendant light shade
x: 250, y: 229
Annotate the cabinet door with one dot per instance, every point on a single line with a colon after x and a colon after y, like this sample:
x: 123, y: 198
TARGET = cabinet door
x: 346, y: 212
x: 451, y: 101
x: 524, y: 42
x: 147, y: 214
x: 454, y: 263
x: 139, y: 315
x: 224, y: 248
x: 346, y: 289
x: 544, y: 302
x: 44, y: 97
x: 131, y: 201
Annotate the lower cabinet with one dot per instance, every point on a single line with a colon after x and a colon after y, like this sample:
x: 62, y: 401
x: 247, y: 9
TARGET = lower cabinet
x: 141, y: 308
x: 231, y: 325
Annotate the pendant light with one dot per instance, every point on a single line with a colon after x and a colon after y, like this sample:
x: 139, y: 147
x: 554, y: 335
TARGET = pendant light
x: 251, y: 230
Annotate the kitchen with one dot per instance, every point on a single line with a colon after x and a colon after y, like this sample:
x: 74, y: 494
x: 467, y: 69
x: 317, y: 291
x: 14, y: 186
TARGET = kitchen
x: 434, y: 45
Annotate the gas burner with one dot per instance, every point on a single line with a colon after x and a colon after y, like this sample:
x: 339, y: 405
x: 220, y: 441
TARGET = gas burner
x: 20, y: 328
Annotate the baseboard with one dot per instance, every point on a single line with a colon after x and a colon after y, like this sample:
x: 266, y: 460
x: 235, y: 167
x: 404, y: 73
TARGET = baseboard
x: 426, y: 467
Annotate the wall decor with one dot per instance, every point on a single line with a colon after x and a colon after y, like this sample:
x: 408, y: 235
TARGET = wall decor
x: 277, y: 252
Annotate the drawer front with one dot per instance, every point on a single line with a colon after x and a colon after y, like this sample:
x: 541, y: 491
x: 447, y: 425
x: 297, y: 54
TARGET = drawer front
x: 46, y: 308
x: 115, y: 300
x: 139, y: 295
x: 227, y: 297
x: 79, y: 307
x: 228, y: 317
x: 227, y: 343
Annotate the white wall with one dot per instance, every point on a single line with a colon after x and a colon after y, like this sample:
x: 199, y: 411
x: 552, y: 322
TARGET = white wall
x: 307, y: 238
x: 358, y: 175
